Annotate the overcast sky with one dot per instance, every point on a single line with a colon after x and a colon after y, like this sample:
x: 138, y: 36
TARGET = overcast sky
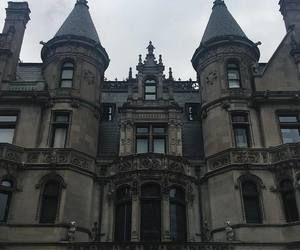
x: 175, y: 27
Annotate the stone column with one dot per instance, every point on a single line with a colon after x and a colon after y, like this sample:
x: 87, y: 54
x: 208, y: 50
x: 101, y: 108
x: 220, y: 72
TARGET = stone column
x: 122, y: 139
x: 129, y: 138
x: 165, y: 214
x: 140, y: 86
x: 135, y: 218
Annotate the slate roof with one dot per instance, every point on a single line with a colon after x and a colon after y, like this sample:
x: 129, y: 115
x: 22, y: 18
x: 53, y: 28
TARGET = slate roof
x: 221, y: 23
x: 79, y: 23
x: 29, y: 72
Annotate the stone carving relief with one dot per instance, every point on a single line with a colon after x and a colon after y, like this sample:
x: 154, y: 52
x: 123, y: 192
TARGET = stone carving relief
x: 89, y: 77
x: 211, y: 78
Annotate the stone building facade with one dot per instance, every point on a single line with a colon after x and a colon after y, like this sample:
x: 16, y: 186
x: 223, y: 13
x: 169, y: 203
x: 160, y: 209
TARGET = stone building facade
x: 149, y: 162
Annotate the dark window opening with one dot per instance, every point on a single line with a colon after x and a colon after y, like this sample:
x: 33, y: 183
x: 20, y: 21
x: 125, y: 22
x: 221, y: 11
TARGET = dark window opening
x: 150, y: 90
x: 60, y: 127
x: 150, y: 213
x: 233, y: 75
x: 177, y: 215
x: 5, y: 197
x: 193, y: 111
x: 108, y: 111
x: 67, y: 74
x: 123, y: 215
x: 251, y: 199
x: 289, y: 201
x: 290, y: 128
x: 151, y: 138
x: 240, y: 125
x: 49, y: 202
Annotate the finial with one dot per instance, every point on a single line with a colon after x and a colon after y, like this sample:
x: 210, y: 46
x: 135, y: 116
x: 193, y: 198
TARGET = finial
x: 150, y: 48
x: 84, y: 2
x: 170, y: 74
x: 219, y: 2
x: 140, y: 58
x: 130, y: 73
x: 160, y: 59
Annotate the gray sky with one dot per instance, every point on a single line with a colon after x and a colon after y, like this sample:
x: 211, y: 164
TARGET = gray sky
x: 175, y: 27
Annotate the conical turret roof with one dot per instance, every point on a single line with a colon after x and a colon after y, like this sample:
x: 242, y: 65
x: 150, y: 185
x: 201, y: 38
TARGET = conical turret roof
x: 221, y: 23
x: 79, y: 23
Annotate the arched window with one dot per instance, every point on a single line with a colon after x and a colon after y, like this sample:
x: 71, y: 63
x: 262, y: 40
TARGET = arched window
x: 6, y: 187
x: 150, y: 212
x: 233, y: 75
x: 49, y: 201
x: 67, y: 74
x: 177, y: 214
x: 289, y: 201
x: 150, y: 90
x: 251, y: 199
x: 123, y: 214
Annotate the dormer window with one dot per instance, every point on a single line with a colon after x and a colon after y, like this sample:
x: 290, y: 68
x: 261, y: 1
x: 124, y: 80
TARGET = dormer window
x: 233, y: 75
x: 67, y: 74
x: 150, y: 90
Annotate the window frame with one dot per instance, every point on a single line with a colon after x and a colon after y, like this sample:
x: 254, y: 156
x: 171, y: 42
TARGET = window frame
x: 237, y: 70
x: 10, y: 124
x: 178, y: 202
x: 152, y: 84
x: 283, y: 193
x: 108, y: 116
x: 151, y: 136
x: 144, y: 199
x: 189, y: 114
x: 57, y: 124
x: 62, y: 69
x: 241, y: 125
x: 284, y: 125
x: 7, y: 191
x: 124, y: 201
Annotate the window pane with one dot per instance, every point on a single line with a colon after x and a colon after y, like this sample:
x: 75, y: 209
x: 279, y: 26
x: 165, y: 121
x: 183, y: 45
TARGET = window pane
x: 123, y: 222
x: 177, y: 222
x: 6, y: 183
x: 290, y: 135
x: 7, y: 135
x: 239, y: 118
x: 67, y: 74
x: 150, y: 220
x: 234, y: 84
x: 66, y: 84
x: 241, y: 137
x: 252, y: 209
x: 159, y: 145
x: 150, y: 89
x: 233, y: 75
x: 68, y: 65
x: 59, y: 137
x: 150, y: 97
x: 142, y: 145
x: 158, y: 130
x: 142, y: 130
x: 61, y: 118
x: 291, y: 119
x: 8, y: 118
x: 3, y: 206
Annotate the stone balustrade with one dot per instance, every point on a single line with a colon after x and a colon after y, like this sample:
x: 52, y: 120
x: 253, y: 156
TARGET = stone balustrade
x: 41, y: 157
x: 152, y: 246
x: 259, y: 157
x: 151, y: 161
x: 24, y: 86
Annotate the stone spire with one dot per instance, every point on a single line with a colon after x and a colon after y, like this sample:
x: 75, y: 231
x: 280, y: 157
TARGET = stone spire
x: 221, y: 23
x: 79, y: 23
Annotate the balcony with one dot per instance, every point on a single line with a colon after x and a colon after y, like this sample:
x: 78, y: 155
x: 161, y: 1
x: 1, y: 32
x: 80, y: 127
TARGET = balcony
x: 150, y: 162
x: 15, y: 156
x: 280, y: 155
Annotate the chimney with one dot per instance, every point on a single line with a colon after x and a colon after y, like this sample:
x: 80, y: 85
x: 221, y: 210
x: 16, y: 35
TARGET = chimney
x: 290, y: 9
x: 17, y: 16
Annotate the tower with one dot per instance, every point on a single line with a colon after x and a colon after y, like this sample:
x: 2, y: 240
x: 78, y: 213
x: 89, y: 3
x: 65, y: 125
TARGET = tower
x: 74, y: 63
x: 224, y: 62
x: 290, y: 9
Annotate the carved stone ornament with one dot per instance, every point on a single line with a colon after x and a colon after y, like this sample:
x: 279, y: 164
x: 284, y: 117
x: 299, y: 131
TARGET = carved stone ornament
x: 230, y: 234
x: 89, y: 77
x: 211, y: 78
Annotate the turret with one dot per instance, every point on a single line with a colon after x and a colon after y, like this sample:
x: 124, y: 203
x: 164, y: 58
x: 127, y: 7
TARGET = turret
x: 290, y: 9
x: 11, y: 39
x: 224, y: 63
x: 74, y: 63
